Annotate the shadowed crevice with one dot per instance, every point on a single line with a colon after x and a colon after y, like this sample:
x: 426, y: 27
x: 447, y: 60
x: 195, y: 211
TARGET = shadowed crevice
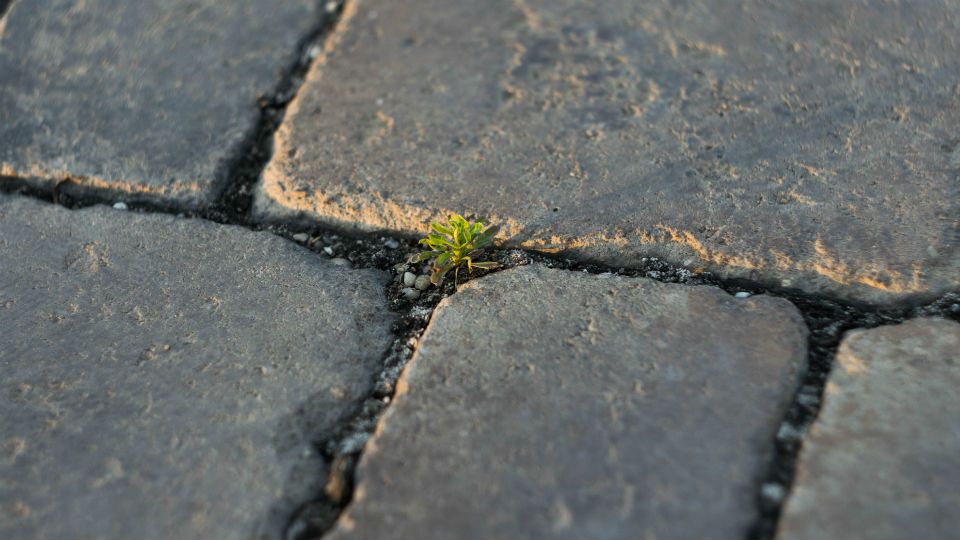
x: 244, y: 169
x: 4, y: 6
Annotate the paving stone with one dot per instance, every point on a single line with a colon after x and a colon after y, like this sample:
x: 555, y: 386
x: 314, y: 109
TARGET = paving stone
x: 550, y: 404
x: 881, y: 459
x: 148, y: 101
x: 809, y: 145
x: 164, y: 377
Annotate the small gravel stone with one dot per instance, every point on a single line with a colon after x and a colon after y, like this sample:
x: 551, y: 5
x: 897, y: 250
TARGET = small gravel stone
x: 301, y: 237
x: 409, y: 278
x: 742, y: 294
x: 120, y: 206
x: 391, y: 243
x: 328, y: 250
x: 773, y: 492
x: 410, y: 294
x: 422, y: 282
x: 340, y: 261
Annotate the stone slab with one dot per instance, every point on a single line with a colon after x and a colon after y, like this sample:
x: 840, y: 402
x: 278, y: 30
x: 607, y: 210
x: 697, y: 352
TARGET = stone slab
x: 881, y: 459
x: 164, y: 377
x: 550, y: 404
x: 144, y: 101
x: 808, y: 145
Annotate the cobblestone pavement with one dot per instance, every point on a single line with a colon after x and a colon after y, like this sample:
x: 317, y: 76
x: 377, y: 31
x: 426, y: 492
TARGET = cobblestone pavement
x: 726, y: 302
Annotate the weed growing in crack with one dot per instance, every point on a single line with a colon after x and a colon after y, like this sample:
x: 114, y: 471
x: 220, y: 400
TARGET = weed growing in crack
x: 455, y: 244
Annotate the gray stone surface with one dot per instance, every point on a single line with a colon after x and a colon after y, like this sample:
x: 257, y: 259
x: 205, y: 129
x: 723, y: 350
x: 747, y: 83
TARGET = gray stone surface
x: 145, y: 101
x: 163, y: 377
x: 550, y: 404
x: 809, y: 144
x: 881, y: 460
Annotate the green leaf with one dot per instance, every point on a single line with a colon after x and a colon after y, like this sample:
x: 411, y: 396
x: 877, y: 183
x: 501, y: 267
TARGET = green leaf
x: 476, y: 229
x: 486, y: 238
x: 457, y: 220
x: 443, y: 258
x: 438, y: 240
x: 438, y: 273
x: 440, y: 228
x: 426, y: 255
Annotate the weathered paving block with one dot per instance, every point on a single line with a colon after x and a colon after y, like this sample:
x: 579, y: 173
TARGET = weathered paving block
x: 147, y: 101
x: 810, y: 144
x: 549, y: 404
x: 881, y: 459
x: 164, y: 377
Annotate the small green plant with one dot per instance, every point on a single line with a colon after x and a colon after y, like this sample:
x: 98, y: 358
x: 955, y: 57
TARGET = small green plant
x: 455, y: 244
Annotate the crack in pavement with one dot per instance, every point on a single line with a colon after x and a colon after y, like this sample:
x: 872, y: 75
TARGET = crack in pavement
x: 4, y: 6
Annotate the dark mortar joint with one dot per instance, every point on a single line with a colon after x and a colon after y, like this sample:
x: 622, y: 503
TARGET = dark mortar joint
x: 4, y: 6
x: 243, y: 171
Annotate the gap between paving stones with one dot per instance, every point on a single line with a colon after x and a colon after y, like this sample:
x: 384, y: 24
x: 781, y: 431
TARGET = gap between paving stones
x: 827, y: 319
x: 4, y: 5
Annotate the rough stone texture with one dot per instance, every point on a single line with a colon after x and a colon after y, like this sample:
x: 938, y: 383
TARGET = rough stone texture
x: 811, y: 144
x: 641, y: 410
x: 163, y: 377
x: 141, y: 100
x: 881, y: 460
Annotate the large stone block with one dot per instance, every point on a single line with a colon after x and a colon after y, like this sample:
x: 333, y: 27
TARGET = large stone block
x: 165, y: 378
x: 147, y: 101
x: 550, y: 404
x: 806, y: 144
x: 881, y: 459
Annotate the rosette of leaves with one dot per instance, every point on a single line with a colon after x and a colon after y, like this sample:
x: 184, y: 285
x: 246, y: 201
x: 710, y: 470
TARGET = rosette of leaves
x: 456, y: 243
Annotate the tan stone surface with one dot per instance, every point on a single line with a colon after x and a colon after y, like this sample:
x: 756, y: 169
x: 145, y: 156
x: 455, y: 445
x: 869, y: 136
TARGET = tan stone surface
x: 881, y: 461
x: 808, y: 144
x: 552, y: 404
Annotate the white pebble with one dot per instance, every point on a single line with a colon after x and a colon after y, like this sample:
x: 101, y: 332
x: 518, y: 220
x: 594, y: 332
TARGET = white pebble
x: 742, y: 294
x: 410, y: 294
x: 421, y: 312
x: 391, y: 243
x: 788, y: 433
x: 120, y: 206
x: 328, y: 250
x: 773, y: 492
x: 339, y: 261
x: 301, y: 237
x: 409, y: 278
x: 422, y: 282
